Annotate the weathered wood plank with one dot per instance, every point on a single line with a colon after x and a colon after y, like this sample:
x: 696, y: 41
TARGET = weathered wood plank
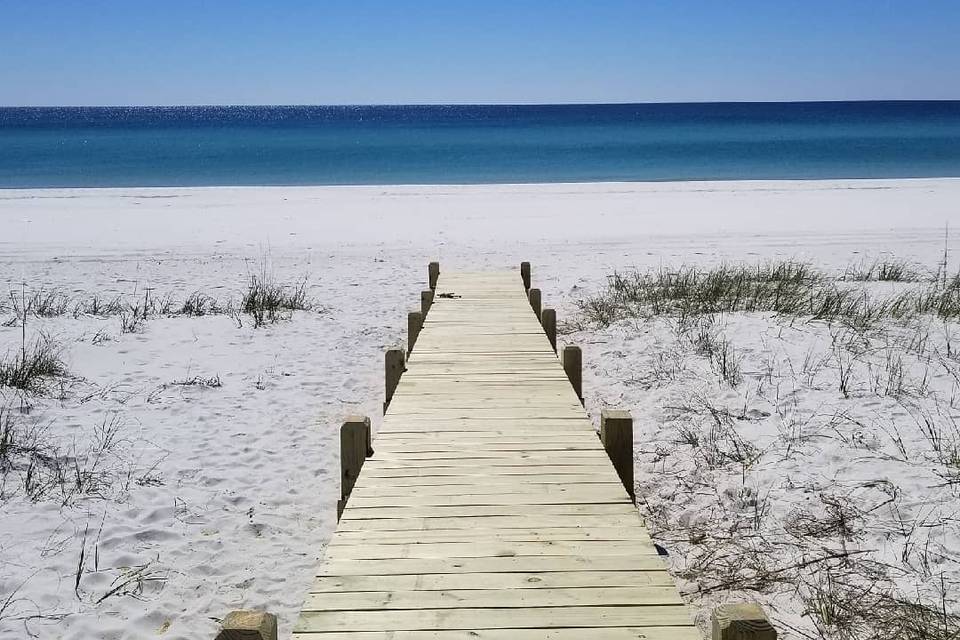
x: 606, y: 633
x: 493, y: 598
x: 396, y: 566
x: 571, y: 533
x: 488, y: 580
x: 467, y: 619
x: 488, y: 549
x: 501, y: 521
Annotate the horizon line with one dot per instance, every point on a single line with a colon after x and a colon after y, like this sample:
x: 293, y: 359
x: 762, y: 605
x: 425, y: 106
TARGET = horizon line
x: 473, y: 104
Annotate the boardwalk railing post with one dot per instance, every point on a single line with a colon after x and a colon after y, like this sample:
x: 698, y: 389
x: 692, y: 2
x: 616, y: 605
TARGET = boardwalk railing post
x: 414, y: 324
x: 433, y: 273
x: 248, y: 625
x: 354, y: 449
x: 534, y: 296
x: 572, y: 361
x: 616, y: 434
x: 741, y: 621
x: 426, y: 301
x: 525, y: 274
x: 548, y: 320
x: 393, y: 361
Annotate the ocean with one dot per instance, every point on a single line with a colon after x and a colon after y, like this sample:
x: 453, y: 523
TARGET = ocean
x: 329, y: 145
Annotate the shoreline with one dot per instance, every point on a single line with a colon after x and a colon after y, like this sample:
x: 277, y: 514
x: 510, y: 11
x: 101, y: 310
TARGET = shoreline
x: 497, y: 185
x: 450, y: 218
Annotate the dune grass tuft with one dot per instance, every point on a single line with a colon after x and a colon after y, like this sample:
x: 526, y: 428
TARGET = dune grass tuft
x: 267, y: 301
x: 786, y: 288
x: 32, y: 366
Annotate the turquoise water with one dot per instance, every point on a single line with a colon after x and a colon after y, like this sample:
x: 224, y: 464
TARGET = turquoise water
x: 184, y: 146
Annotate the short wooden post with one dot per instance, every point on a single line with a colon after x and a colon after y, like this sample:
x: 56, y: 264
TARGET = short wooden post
x: 548, y: 320
x: 354, y: 449
x: 248, y: 625
x: 525, y: 274
x: 616, y: 434
x: 426, y: 301
x: 534, y: 296
x: 572, y: 361
x: 393, y: 368
x: 433, y: 274
x: 414, y: 324
x: 741, y: 621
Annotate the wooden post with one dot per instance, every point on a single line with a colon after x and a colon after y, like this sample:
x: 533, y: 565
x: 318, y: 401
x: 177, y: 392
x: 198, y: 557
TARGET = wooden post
x: 572, y: 361
x: 741, y: 621
x: 248, y: 625
x: 548, y: 320
x: 433, y: 273
x: 525, y: 274
x: 426, y: 301
x: 616, y: 434
x: 414, y: 324
x: 534, y: 296
x: 354, y: 449
x: 393, y: 368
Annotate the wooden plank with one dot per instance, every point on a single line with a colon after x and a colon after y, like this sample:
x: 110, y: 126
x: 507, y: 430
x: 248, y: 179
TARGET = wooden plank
x: 528, y: 618
x: 493, y: 598
x: 573, y: 491
x: 571, y: 533
x: 374, y: 470
x: 503, y: 521
x: 480, y: 511
x: 460, y: 482
x: 606, y: 633
x: 490, y: 549
x: 602, y: 496
x: 488, y: 580
x: 556, y: 455
x: 509, y: 564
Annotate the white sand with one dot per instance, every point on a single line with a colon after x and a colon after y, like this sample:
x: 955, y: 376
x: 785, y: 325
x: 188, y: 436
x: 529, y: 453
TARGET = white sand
x: 241, y: 484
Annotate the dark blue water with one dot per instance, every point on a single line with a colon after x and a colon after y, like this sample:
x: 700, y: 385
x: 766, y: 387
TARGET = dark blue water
x: 157, y: 146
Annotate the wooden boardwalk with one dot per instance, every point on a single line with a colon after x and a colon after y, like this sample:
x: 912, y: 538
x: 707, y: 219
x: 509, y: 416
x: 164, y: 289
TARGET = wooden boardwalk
x: 489, y: 509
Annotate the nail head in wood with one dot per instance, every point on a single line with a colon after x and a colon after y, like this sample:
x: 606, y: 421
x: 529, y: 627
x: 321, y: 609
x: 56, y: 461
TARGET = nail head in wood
x: 572, y: 361
x: 534, y: 296
x: 248, y: 625
x: 741, y: 621
x: 426, y: 301
x: 433, y: 274
x: 414, y: 324
x: 525, y: 274
x: 355, y: 448
x: 393, y: 368
x: 548, y: 320
x: 616, y: 434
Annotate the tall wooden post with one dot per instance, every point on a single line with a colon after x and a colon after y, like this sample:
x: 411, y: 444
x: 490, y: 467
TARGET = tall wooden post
x: 433, y: 273
x: 616, y: 434
x: 525, y: 274
x: 572, y: 361
x: 354, y: 449
x: 548, y: 320
x: 426, y: 301
x: 393, y: 361
x: 741, y: 621
x: 414, y: 324
x: 248, y: 625
x: 534, y: 297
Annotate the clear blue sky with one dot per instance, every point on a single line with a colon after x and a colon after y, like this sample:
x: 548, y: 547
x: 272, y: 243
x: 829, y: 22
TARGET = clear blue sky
x: 60, y: 52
